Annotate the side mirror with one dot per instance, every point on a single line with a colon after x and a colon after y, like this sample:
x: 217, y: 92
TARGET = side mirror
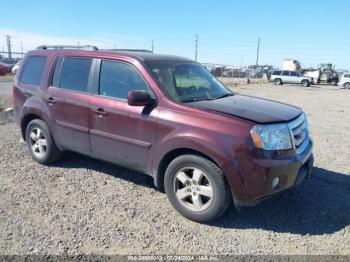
x: 139, y: 98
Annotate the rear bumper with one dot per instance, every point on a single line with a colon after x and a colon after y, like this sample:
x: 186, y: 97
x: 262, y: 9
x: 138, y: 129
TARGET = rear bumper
x: 262, y: 175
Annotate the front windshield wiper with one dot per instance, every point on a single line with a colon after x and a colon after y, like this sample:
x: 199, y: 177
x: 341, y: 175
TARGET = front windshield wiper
x: 224, y: 95
x: 197, y: 100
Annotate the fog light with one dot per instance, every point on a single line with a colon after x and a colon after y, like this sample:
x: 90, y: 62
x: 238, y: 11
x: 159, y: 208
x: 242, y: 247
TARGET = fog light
x: 275, y: 182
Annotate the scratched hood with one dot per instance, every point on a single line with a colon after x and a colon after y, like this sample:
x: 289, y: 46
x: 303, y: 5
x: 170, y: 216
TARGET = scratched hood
x: 252, y: 108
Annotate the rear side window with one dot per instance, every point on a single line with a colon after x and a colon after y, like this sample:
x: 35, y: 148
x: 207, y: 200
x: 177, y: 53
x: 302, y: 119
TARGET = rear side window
x: 277, y: 73
x: 118, y: 78
x: 33, y: 70
x: 347, y: 76
x: 72, y: 73
x: 285, y: 73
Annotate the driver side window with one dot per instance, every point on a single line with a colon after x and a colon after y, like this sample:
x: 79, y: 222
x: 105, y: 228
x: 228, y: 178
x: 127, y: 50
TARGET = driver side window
x: 118, y: 78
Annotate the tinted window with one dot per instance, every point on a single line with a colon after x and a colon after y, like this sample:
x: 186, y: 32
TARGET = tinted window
x: 347, y: 76
x: 57, y: 72
x: 75, y: 74
x: 117, y: 79
x: 33, y: 70
x: 276, y: 73
x: 285, y: 73
x: 293, y: 73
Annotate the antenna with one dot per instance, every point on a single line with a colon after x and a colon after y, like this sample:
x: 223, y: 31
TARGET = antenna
x: 152, y: 47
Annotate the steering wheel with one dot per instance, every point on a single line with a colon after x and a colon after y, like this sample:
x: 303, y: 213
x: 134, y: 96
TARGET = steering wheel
x: 189, y: 89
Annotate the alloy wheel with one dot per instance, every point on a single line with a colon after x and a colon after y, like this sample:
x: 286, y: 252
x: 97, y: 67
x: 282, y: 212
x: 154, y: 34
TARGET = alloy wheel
x: 193, y: 188
x: 38, y: 142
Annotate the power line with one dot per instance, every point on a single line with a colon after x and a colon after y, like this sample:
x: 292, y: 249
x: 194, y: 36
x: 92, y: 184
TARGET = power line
x: 196, y: 48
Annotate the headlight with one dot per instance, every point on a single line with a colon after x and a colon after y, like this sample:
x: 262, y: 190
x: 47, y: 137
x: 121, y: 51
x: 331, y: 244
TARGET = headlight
x: 272, y: 137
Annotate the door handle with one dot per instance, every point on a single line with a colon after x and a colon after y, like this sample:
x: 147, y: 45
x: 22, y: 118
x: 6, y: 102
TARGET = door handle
x: 51, y: 100
x: 100, y: 112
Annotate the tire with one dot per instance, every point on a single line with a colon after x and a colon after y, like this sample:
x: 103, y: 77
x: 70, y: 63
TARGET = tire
x: 334, y: 83
x: 195, y: 187
x: 305, y: 83
x: 347, y: 85
x: 40, y: 143
x: 278, y: 81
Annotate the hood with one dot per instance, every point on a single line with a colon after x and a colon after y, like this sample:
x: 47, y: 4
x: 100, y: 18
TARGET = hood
x: 252, y: 108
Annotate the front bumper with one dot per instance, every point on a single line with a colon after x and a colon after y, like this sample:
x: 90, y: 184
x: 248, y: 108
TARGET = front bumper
x: 261, y: 175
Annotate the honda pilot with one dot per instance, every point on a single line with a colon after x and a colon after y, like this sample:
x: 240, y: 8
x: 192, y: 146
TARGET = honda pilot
x: 165, y: 116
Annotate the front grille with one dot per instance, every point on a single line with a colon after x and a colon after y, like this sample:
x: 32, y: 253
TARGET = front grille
x: 299, y: 132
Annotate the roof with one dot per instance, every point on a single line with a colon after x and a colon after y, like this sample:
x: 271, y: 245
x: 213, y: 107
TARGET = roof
x: 142, y: 55
x: 147, y: 56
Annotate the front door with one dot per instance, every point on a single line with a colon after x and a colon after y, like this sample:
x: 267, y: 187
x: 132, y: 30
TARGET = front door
x: 120, y: 133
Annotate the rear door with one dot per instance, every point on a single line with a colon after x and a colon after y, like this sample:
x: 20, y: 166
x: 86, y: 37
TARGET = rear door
x: 68, y: 101
x: 294, y: 77
x: 120, y: 133
x: 285, y: 76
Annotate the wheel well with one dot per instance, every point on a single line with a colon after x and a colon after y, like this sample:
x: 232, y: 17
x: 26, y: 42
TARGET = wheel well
x: 170, y: 156
x: 25, y: 122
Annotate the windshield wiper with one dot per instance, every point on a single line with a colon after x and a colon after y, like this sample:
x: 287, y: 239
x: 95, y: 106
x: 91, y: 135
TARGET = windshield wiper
x: 224, y: 95
x: 197, y: 100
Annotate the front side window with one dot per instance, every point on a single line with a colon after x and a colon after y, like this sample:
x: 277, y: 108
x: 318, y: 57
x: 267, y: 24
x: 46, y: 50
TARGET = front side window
x: 72, y: 73
x: 118, y: 78
x: 187, y: 81
x: 33, y: 70
x: 294, y: 74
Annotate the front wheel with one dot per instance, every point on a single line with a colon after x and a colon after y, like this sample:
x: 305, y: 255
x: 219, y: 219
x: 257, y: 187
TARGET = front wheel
x: 196, y: 188
x: 305, y: 83
x: 347, y: 85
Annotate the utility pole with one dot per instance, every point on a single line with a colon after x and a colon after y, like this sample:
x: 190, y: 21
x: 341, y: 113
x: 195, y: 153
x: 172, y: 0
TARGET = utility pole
x: 196, y: 48
x: 152, y: 46
x: 257, y: 52
x: 22, y: 49
x: 8, y: 40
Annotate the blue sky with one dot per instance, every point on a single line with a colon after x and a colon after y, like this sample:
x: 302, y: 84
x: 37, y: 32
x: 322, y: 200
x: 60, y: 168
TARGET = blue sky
x: 311, y: 31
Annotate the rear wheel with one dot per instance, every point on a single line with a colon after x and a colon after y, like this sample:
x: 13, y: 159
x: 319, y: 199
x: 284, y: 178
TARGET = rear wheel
x: 305, y: 83
x: 278, y: 81
x: 197, y: 188
x: 40, y: 143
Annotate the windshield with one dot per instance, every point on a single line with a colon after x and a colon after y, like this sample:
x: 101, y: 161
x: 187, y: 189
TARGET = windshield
x: 187, y: 81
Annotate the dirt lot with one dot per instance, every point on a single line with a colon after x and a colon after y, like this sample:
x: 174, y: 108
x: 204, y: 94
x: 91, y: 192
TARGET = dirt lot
x: 85, y: 206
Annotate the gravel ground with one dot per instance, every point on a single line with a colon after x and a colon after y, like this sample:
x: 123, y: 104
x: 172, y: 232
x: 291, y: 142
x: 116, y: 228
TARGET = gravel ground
x: 86, y: 206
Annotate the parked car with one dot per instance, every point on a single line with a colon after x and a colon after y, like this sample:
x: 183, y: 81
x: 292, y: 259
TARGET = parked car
x: 15, y: 67
x: 165, y: 116
x: 5, y: 69
x: 345, y: 81
x: 280, y: 77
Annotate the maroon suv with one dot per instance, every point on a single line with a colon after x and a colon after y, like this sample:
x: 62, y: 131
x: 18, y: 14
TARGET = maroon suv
x: 165, y: 116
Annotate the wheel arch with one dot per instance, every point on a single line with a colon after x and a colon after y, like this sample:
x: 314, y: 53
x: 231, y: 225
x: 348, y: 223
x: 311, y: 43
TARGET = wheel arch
x: 25, y: 121
x: 170, y: 156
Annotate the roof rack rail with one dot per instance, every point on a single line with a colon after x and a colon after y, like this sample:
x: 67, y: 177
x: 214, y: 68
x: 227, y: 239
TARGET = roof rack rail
x: 82, y: 47
x: 128, y: 50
